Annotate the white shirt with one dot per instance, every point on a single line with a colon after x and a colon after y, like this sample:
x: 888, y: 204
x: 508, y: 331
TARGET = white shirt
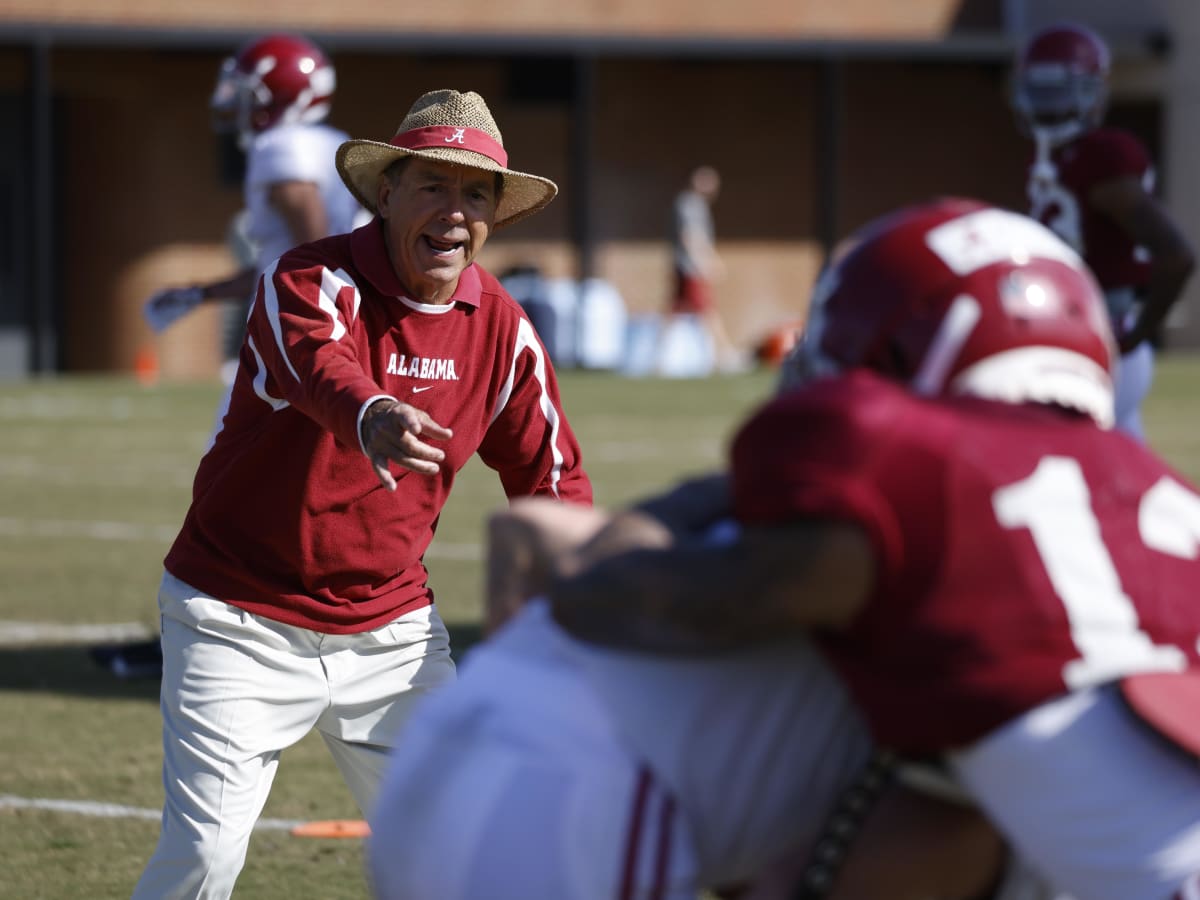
x: 297, y: 152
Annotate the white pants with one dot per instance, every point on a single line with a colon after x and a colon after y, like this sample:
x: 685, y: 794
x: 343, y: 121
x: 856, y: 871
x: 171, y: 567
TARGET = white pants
x: 520, y: 781
x: 1091, y: 797
x: 511, y: 792
x: 1134, y: 375
x: 237, y: 690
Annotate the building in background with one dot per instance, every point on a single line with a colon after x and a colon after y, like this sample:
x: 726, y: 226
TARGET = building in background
x: 818, y: 115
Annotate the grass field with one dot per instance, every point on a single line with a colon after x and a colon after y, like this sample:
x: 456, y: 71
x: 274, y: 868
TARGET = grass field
x: 95, y: 475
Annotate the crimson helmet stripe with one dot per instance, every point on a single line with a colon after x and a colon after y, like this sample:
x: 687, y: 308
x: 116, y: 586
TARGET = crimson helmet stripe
x: 446, y: 136
x: 646, y: 864
x: 633, y: 842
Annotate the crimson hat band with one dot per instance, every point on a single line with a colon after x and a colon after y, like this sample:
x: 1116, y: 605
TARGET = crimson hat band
x: 449, y: 137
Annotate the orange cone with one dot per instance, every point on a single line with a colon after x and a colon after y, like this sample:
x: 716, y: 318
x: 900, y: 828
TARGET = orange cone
x: 145, y: 366
x: 333, y: 828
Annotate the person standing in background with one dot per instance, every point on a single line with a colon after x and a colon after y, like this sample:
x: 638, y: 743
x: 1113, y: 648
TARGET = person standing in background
x: 1094, y: 186
x: 375, y: 365
x: 696, y: 263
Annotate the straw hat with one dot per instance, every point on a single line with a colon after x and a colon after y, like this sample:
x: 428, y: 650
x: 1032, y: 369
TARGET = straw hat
x: 452, y: 127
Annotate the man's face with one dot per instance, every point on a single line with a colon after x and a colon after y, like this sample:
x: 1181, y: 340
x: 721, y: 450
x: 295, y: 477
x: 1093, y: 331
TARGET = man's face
x: 437, y: 217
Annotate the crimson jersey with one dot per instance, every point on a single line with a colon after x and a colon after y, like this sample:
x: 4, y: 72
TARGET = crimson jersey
x: 1058, y: 198
x: 287, y: 517
x: 1022, y: 552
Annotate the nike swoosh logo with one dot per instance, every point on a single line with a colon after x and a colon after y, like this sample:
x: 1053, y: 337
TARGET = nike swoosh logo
x: 418, y: 390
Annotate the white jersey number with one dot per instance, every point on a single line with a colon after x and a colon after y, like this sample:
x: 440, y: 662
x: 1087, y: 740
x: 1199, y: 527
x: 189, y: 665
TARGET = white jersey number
x: 1056, y: 207
x: 1054, y: 503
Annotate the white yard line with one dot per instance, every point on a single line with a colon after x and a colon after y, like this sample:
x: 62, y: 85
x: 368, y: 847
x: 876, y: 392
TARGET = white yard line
x: 98, y: 531
x: 117, y: 811
x: 163, y: 471
x: 26, y: 633
x: 130, y: 531
x: 48, y: 407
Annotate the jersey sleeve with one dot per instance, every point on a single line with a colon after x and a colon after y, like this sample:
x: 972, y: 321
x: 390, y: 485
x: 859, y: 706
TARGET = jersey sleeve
x: 299, y: 331
x: 812, y: 453
x: 1113, y: 154
x: 529, y: 441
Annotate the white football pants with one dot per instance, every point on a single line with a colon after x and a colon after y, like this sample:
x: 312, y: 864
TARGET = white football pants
x: 1091, y: 797
x: 1134, y: 375
x: 519, y: 782
x: 237, y: 690
x: 514, y: 786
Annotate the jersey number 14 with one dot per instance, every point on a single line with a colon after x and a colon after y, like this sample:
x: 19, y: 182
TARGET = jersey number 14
x: 1054, y: 503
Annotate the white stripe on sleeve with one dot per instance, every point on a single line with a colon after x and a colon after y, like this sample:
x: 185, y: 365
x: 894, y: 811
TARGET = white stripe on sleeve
x: 260, y: 379
x: 272, y: 311
x: 331, y: 285
x: 527, y: 341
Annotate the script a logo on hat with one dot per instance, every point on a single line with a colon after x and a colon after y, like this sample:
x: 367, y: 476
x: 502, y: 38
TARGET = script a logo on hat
x: 457, y: 137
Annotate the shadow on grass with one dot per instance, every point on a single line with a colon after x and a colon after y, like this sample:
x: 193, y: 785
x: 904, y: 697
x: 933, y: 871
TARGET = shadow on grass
x: 67, y: 670
x: 71, y: 670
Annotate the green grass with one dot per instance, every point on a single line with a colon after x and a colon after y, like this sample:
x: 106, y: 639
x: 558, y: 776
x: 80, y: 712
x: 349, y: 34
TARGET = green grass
x: 80, y: 451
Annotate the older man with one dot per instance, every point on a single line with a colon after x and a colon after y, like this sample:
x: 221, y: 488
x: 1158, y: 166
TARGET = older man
x: 376, y: 363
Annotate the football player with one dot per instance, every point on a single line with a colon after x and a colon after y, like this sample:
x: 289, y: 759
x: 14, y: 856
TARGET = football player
x: 1094, y: 186
x: 559, y: 768
x: 275, y: 94
x: 1001, y: 581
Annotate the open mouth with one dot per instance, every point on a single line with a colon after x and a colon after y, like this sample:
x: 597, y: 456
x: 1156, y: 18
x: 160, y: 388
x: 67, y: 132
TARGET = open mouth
x: 443, y: 248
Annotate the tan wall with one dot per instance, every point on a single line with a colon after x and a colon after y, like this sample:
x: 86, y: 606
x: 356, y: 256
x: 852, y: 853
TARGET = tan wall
x: 144, y: 207
x: 754, y: 123
x: 918, y: 130
x: 767, y: 18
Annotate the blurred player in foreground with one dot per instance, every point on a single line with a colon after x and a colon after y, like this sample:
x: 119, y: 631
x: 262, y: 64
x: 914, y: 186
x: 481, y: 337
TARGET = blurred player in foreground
x: 1002, y: 583
x: 1094, y: 186
x: 567, y: 770
x: 376, y: 365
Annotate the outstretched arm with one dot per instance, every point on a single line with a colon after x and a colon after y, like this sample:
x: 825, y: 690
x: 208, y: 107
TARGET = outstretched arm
x: 528, y: 544
x: 700, y: 594
x: 1172, y: 258
x: 674, y: 574
x: 537, y: 540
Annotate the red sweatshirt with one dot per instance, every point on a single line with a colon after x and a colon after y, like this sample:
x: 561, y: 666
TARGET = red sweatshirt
x: 287, y: 518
